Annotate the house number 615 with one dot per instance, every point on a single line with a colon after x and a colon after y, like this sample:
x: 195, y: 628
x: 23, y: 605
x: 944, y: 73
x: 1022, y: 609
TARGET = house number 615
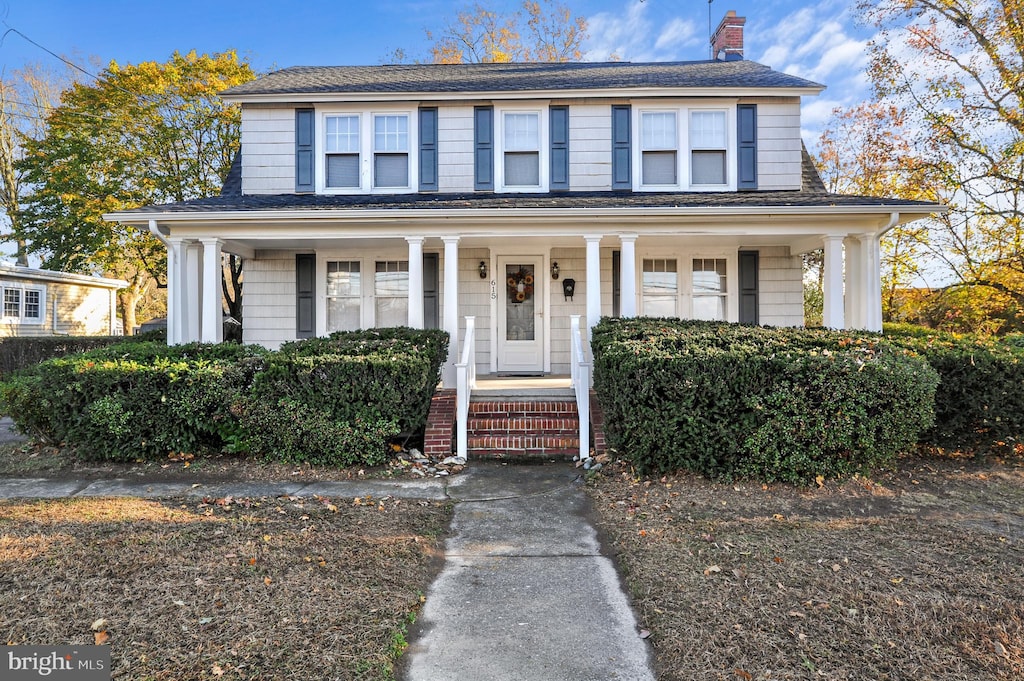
x: 494, y: 290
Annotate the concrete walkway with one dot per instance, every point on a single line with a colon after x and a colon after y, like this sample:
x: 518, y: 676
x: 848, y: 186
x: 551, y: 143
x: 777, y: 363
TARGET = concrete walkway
x: 525, y: 593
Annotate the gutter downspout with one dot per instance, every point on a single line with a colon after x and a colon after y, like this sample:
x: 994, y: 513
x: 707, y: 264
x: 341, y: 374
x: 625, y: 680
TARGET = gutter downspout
x: 874, y: 321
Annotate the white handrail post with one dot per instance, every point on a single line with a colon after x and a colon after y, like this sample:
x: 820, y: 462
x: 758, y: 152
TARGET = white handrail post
x: 465, y: 381
x: 580, y: 372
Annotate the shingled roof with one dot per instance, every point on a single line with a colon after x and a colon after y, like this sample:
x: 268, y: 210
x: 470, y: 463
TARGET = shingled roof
x: 518, y: 77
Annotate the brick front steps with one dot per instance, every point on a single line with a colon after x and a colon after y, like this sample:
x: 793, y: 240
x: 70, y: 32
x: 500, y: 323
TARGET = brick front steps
x: 517, y: 428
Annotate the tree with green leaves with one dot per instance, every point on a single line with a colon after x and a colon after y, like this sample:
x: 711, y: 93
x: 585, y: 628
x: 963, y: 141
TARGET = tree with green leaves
x: 141, y: 134
x: 955, y: 69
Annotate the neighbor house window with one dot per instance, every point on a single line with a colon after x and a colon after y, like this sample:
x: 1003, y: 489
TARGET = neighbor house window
x: 342, y: 151
x: 707, y: 147
x: 709, y: 292
x: 391, y: 291
x: 660, y: 287
x: 391, y: 150
x: 344, y: 296
x: 23, y: 304
x: 522, y: 149
x: 659, y: 147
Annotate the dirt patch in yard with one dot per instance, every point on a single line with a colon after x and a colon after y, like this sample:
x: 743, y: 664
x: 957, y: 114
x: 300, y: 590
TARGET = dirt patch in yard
x: 280, y: 588
x: 912, y: 574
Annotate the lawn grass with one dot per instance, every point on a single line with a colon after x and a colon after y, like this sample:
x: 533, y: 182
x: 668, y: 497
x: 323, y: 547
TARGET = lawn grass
x: 264, y: 588
x: 914, y: 574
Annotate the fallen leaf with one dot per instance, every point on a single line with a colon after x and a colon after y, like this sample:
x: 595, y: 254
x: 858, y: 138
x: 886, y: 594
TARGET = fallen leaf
x: 1000, y: 649
x: 820, y: 480
x: 267, y: 580
x: 897, y: 580
x: 777, y: 559
x: 712, y: 569
x: 645, y: 633
x: 836, y: 567
x: 745, y: 675
x: 99, y: 625
x: 101, y: 637
x: 778, y: 516
x: 796, y: 613
x: 216, y: 670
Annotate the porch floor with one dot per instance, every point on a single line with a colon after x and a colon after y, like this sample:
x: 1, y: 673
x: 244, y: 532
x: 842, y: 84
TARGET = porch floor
x: 492, y: 385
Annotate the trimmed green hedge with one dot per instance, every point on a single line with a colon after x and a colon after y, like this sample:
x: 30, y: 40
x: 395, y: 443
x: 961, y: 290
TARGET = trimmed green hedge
x: 732, y: 401
x: 980, y: 399
x: 21, y: 352
x: 332, y: 400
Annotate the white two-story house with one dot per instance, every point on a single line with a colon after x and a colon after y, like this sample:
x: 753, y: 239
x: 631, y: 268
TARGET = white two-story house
x: 519, y: 195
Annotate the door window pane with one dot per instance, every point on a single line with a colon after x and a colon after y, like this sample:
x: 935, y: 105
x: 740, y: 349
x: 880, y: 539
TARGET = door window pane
x: 520, y: 302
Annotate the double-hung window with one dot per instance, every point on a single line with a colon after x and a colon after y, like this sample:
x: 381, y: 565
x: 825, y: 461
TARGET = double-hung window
x: 707, y: 147
x: 391, y: 291
x: 660, y: 287
x: 23, y: 304
x: 344, y: 296
x: 521, y: 149
x: 391, y: 150
x: 659, y: 148
x: 341, y: 147
x: 709, y: 289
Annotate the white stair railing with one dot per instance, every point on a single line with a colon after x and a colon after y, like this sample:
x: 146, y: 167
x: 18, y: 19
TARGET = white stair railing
x: 465, y: 381
x: 580, y: 372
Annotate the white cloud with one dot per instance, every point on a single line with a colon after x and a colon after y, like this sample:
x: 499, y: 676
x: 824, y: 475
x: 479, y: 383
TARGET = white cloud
x: 678, y: 33
x: 633, y: 35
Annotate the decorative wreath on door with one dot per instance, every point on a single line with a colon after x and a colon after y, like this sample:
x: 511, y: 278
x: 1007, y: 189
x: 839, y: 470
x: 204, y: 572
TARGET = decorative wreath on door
x: 520, y: 286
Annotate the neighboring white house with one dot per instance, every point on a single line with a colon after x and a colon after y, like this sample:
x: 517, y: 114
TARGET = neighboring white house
x: 47, y: 303
x: 422, y: 194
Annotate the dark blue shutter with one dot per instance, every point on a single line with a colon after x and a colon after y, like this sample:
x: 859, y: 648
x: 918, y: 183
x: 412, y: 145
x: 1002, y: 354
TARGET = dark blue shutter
x: 746, y: 143
x: 305, y: 295
x: 483, y: 147
x: 749, y: 313
x: 428, y: 149
x: 559, y: 133
x: 305, y: 157
x: 431, y: 318
x: 622, y: 152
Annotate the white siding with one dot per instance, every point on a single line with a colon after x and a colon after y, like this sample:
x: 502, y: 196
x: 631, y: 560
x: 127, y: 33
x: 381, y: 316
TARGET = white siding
x: 780, y: 280
x: 455, y: 149
x: 268, y: 305
x: 474, y: 301
x: 268, y: 150
x: 778, y: 144
x: 572, y: 264
x: 590, y: 147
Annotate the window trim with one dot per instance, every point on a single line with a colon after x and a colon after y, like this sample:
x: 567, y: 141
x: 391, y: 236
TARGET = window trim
x: 684, y: 151
x: 679, y: 131
x: 367, y: 150
x: 542, y: 111
x: 367, y: 271
x: 684, y: 271
x: 21, y: 318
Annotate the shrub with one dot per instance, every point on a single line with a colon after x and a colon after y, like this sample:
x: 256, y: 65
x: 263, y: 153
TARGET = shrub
x: 980, y: 399
x: 21, y: 352
x: 778, y: 404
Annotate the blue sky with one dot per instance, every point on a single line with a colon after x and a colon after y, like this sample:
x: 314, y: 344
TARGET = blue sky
x: 819, y: 41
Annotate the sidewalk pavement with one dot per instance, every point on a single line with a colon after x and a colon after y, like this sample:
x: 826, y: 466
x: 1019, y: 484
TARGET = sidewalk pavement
x: 525, y: 592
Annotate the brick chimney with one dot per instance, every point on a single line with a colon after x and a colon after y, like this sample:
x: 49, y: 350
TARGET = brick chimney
x: 727, y: 40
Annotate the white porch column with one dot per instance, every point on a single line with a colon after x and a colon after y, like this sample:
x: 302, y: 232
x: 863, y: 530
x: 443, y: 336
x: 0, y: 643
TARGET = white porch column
x: 415, y: 281
x: 213, y: 308
x: 451, y: 307
x: 593, y: 281
x: 872, y: 285
x: 191, y: 300
x: 174, y: 294
x: 627, y: 276
x: 832, y: 312
x: 855, y: 293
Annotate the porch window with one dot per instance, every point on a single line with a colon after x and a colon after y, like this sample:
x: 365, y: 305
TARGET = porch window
x: 522, y: 149
x: 344, y: 296
x: 391, y: 150
x: 391, y: 291
x: 658, y: 148
x: 342, y: 151
x: 707, y: 147
x: 660, y: 287
x: 709, y: 292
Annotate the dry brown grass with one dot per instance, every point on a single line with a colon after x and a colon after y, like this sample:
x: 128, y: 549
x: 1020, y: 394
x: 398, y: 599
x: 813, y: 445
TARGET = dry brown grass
x: 917, y: 574
x: 229, y: 589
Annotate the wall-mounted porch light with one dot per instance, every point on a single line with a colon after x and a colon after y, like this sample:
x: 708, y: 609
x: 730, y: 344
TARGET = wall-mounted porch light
x: 554, y: 270
x: 483, y: 269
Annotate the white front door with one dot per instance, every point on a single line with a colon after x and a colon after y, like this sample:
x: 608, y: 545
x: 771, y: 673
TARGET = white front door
x: 520, y: 315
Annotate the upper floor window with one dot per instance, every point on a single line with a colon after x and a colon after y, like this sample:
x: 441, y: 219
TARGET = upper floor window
x: 658, y: 148
x: 391, y: 150
x: 367, y: 151
x: 342, y: 149
x: 23, y: 304
x: 522, y: 149
x: 707, y: 147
